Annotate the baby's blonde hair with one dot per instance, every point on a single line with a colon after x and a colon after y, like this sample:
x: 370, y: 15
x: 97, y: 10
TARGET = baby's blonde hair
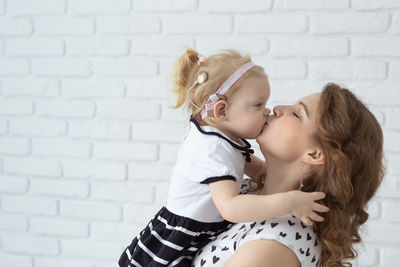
x: 218, y: 67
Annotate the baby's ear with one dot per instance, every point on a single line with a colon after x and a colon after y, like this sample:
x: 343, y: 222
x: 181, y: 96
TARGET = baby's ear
x: 220, y: 110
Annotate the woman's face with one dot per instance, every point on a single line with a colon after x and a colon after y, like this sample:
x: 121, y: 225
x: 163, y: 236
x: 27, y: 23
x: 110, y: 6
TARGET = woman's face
x: 289, y: 131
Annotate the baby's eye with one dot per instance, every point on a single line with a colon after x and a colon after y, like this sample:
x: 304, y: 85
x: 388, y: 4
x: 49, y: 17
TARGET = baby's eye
x: 259, y: 105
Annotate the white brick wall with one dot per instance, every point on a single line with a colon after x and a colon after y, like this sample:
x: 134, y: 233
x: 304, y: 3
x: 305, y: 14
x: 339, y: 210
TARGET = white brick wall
x: 87, y: 141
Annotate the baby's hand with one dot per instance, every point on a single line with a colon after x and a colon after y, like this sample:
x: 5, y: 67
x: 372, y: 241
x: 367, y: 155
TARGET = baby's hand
x: 304, y: 206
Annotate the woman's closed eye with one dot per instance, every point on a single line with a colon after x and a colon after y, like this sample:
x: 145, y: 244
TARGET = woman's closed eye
x: 295, y: 114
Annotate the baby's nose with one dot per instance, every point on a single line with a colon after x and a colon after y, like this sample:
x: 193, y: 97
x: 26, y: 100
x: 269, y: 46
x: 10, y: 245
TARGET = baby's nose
x: 267, y: 111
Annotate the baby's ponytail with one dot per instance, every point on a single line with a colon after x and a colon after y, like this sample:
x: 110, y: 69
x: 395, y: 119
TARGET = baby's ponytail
x: 184, y: 74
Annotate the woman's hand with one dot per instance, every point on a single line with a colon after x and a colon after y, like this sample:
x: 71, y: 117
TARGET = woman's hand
x: 304, y: 206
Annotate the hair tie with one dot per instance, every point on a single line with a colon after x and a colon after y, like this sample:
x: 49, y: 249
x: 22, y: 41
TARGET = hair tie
x: 201, y: 59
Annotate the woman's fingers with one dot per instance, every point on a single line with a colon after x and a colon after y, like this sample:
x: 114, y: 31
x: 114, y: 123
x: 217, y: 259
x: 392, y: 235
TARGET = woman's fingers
x: 307, y: 221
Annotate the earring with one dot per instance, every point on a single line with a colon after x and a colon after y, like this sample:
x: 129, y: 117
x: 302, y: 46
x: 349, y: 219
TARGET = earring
x: 301, y: 176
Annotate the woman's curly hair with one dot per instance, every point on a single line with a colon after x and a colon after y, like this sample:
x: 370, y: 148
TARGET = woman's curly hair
x: 352, y: 142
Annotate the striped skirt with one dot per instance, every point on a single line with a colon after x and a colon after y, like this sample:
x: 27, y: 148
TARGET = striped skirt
x: 170, y: 240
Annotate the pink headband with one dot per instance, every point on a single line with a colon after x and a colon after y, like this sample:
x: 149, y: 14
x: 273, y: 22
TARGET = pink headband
x: 224, y: 87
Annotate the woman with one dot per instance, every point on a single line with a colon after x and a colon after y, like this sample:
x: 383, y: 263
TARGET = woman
x: 327, y: 142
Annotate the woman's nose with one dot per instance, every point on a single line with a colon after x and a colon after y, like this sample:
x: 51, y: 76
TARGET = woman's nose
x: 277, y: 111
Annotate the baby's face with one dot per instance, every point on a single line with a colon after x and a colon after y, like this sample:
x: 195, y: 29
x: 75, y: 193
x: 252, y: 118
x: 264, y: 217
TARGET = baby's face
x: 246, y: 112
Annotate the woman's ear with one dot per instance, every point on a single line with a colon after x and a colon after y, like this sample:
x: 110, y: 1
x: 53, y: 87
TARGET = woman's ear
x: 314, y: 157
x: 220, y: 110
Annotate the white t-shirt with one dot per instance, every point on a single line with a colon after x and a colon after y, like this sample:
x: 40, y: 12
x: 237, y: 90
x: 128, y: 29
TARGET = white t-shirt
x: 287, y: 230
x: 206, y: 155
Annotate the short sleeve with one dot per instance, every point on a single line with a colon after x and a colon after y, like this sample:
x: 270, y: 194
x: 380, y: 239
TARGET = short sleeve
x: 212, y: 163
x: 290, y: 232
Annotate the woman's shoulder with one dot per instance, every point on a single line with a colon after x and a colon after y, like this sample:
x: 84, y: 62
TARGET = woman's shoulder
x: 289, y: 231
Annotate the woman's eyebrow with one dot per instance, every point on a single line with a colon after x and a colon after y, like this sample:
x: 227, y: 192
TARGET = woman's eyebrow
x: 305, y: 108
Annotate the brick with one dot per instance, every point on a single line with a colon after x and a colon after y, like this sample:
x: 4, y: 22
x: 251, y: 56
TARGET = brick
x: 132, y: 211
x: 396, y: 23
x: 160, y: 45
x: 271, y: 23
x: 34, y: 47
x: 61, y: 147
x: 39, y: 7
x: 14, y: 66
x: 51, y: 187
x: 15, y: 107
x: 393, y: 163
x: 393, y: 121
x: 394, y: 72
x: 158, y: 131
x: 282, y: 68
x: 127, y: 109
x: 377, y: 232
x: 65, y: 108
x: 368, y: 255
x: 2, y: 6
x: 347, y: 70
x: 150, y: 171
x: 3, y: 127
x: 14, y: 146
x: 61, y: 67
x: 375, y: 4
x: 15, y: 26
x: 251, y: 45
x: 99, y: 7
x: 63, y: 262
x: 90, y: 210
x: 311, y: 5
x: 390, y: 256
x: 168, y: 153
x: 390, y: 210
x: 138, y: 24
x: 163, y: 6
x: 391, y: 143
x: 15, y: 260
x: 161, y: 193
x: 112, y: 231
x: 289, y: 92
x: 15, y: 223
x: 376, y: 46
x: 349, y: 23
x: 32, y: 166
x: 104, y: 88
x: 26, y: 86
x: 197, y: 23
x: 97, y: 129
x: 93, y: 169
x: 147, y: 88
x: 59, y: 25
x: 37, y: 127
x: 12, y: 184
x: 58, y: 227
x: 125, y: 67
x: 390, y: 187
x: 309, y: 47
x: 176, y: 115
x: 29, y: 204
x: 97, y: 46
x: 125, y: 151
x: 380, y: 93
x: 226, y: 6
x: 85, y: 248
x: 29, y: 244
x: 135, y: 192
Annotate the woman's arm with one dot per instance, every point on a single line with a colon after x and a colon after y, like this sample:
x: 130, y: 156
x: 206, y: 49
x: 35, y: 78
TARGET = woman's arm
x: 263, y: 253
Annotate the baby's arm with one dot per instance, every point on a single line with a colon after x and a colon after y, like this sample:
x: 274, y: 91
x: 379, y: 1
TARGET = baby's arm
x: 246, y: 208
x: 255, y: 168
